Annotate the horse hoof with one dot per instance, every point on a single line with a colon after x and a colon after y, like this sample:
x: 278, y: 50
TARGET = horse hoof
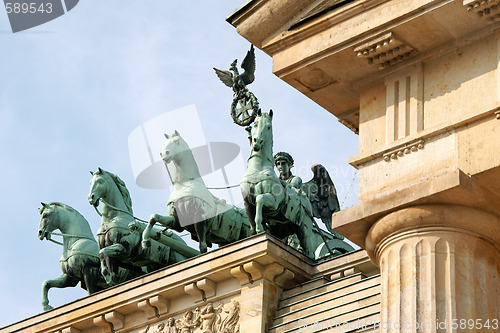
x: 104, y: 272
x: 47, y: 307
x: 203, y: 248
x: 109, y: 280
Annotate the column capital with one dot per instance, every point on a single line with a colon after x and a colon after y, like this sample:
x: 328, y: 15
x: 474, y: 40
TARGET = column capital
x: 428, y: 218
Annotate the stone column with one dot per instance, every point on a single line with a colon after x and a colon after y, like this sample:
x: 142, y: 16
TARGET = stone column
x: 440, y: 269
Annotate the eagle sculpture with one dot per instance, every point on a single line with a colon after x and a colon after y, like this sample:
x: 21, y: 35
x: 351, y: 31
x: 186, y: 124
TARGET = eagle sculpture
x: 239, y: 81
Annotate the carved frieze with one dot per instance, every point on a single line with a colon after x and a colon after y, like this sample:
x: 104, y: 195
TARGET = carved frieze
x: 384, y: 50
x: 220, y: 318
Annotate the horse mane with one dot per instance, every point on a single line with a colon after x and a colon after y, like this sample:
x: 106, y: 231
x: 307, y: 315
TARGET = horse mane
x: 66, y: 207
x: 187, y: 149
x: 267, y: 116
x: 122, y: 188
x: 185, y: 144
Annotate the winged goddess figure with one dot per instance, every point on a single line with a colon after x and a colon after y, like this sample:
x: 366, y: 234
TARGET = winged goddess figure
x: 245, y: 104
x: 323, y: 196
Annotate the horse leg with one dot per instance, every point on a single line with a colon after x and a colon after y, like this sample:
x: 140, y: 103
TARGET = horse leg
x: 105, y: 271
x: 90, y: 278
x: 61, y: 282
x: 250, y: 210
x: 306, y: 242
x: 166, y: 221
x: 146, y: 243
x: 268, y: 200
x: 108, y: 269
x: 200, y: 232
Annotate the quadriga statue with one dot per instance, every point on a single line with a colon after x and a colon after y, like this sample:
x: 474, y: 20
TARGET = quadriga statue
x: 80, y: 256
x: 192, y: 206
x: 279, y: 206
x: 120, y: 235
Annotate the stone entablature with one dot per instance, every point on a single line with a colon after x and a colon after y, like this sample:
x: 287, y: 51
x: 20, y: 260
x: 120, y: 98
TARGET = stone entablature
x: 232, y: 289
x: 338, y: 41
x: 447, y: 146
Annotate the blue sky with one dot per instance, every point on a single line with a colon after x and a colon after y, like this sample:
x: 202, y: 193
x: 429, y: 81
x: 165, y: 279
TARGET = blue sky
x: 72, y: 91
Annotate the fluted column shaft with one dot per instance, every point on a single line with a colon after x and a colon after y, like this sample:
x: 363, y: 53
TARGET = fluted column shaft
x: 440, y: 269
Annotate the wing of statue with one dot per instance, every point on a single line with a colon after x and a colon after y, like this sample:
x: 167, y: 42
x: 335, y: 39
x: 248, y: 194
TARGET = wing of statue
x: 323, y: 196
x: 225, y: 76
x: 248, y: 65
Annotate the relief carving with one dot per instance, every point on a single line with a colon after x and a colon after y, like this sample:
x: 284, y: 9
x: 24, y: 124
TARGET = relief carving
x: 231, y: 323
x: 210, y: 319
x: 170, y: 326
x: 316, y: 79
x: 208, y: 316
x: 159, y: 328
x: 189, y: 321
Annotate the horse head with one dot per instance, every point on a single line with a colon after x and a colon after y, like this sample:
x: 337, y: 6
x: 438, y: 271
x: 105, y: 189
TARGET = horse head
x: 262, y: 130
x: 108, y: 187
x: 47, y: 221
x: 99, y: 186
x: 174, y: 145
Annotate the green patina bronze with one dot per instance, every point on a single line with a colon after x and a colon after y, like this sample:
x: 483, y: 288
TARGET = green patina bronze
x: 245, y: 104
x: 192, y: 206
x: 322, y: 195
x: 279, y: 205
x: 284, y: 163
x: 320, y: 190
x: 120, y: 236
x: 126, y: 248
x: 80, y: 258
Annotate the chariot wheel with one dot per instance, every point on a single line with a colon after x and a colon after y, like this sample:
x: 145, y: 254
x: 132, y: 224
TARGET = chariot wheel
x: 244, y: 109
